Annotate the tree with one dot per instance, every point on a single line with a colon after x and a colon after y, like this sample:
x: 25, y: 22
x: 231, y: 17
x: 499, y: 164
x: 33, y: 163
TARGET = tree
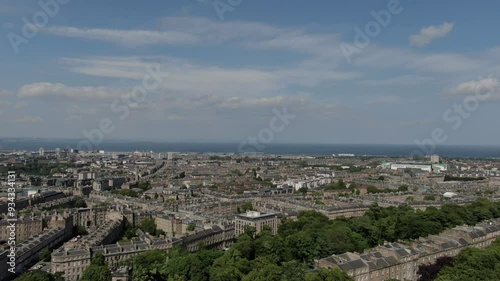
x: 473, y: 264
x: 191, y: 227
x: 429, y: 197
x: 429, y: 272
x: 328, y: 275
x: 303, y: 190
x: 292, y: 271
x: 79, y: 230
x: 98, y: 270
x: 98, y: 260
x: 148, y: 265
x: 80, y: 203
x: 229, y: 267
x: 403, y: 188
x: 125, y: 192
x: 144, y: 185
x: 44, y: 255
x: 247, y: 206
x: 38, y: 275
x: 302, y: 247
x: 264, y: 270
x: 245, y: 246
x: 340, y: 185
x: 96, y: 273
x: 149, y: 226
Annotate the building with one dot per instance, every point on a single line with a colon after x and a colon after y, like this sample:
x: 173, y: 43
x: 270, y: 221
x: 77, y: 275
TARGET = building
x: 435, y: 159
x: 74, y: 257
x: 25, y: 228
x: 401, y: 261
x: 426, y: 167
x: 257, y: 220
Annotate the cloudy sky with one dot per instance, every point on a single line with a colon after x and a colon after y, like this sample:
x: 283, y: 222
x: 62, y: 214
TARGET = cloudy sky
x: 350, y: 71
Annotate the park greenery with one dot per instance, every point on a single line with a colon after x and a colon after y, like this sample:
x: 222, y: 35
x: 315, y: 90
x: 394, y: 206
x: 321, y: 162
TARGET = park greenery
x: 80, y: 203
x: 429, y: 198
x: 146, y: 225
x: 39, y: 275
x: 474, y: 264
x: 97, y: 271
x: 37, y: 168
x: 125, y: 192
x: 144, y: 185
x: 339, y: 185
x: 44, y: 255
x: 247, y: 206
x: 290, y: 254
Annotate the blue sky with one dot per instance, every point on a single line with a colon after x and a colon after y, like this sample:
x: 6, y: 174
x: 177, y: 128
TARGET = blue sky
x: 226, y: 75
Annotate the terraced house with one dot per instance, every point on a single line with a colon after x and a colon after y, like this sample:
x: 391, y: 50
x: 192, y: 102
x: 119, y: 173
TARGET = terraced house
x: 401, y: 260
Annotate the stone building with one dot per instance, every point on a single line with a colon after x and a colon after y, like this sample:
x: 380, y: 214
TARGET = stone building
x: 74, y: 259
x: 257, y: 220
x: 25, y: 228
x: 401, y: 261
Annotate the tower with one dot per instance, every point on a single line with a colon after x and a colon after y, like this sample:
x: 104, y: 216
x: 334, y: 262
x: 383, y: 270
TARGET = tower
x: 435, y: 159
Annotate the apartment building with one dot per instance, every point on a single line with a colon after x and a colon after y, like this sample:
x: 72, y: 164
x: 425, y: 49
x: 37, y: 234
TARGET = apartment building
x: 257, y: 220
x: 401, y: 261
x: 25, y: 228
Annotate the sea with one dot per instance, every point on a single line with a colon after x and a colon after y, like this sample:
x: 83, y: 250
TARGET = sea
x: 390, y: 150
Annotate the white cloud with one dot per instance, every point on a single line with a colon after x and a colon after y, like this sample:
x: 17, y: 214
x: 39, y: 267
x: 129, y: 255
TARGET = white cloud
x: 482, y: 87
x: 195, y: 31
x: 239, y: 103
x: 405, y: 80
x: 60, y: 91
x: 428, y: 34
x: 125, y: 37
x: 385, y: 58
x: 190, y: 78
x: 116, y: 67
x: 173, y: 31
